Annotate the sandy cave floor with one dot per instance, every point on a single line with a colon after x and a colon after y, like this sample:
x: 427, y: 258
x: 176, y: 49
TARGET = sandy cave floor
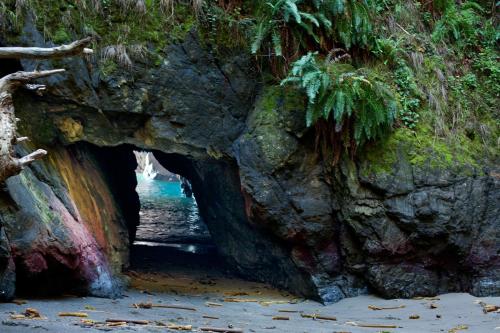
x: 218, y: 299
x: 259, y: 305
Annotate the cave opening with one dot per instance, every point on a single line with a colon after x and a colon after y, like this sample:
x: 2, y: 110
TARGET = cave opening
x: 171, y: 235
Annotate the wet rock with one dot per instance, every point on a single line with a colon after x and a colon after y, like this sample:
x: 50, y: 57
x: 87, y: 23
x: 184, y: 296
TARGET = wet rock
x: 275, y: 209
x: 403, y: 280
x: 486, y: 285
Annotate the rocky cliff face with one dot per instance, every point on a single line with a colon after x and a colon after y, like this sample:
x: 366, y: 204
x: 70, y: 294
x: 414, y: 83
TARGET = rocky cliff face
x: 276, y: 211
x: 62, y: 228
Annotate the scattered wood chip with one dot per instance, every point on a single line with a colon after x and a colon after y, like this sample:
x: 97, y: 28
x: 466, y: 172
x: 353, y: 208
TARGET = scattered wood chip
x: 118, y: 323
x: 236, y: 293
x: 489, y: 307
x: 29, y: 313
x: 96, y: 311
x: 288, y: 311
x: 143, y: 305
x: 19, y: 301
x: 267, y: 303
x: 180, y: 327
x: 353, y: 323
x: 240, y: 300
x: 221, y: 330
x: 17, y: 316
x: 32, y: 313
x: 317, y: 316
x: 433, y: 306
x: 164, y: 306
x: 210, y: 317
x: 90, y: 307
x: 73, y: 314
x: 281, y: 318
x: 212, y: 304
x: 419, y: 298
x: 458, y: 328
x: 374, y: 307
x: 128, y: 321
x: 414, y: 316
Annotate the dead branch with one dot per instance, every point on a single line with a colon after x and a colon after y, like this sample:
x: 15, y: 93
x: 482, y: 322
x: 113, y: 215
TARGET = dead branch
x: 73, y: 314
x: 9, y: 164
x: 221, y: 330
x: 317, y: 316
x: 374, y: 307
x: 63, y: 51
x: 128, y: 321
x: 164, y: 306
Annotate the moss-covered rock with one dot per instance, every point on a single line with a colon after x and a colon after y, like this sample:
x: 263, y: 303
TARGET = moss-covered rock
x: 423, y: 150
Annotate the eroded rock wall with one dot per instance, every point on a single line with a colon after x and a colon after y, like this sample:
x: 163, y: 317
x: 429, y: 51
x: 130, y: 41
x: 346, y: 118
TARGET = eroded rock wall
x: 62, y: 228
x: 401, y: 230
x: 278, y: 212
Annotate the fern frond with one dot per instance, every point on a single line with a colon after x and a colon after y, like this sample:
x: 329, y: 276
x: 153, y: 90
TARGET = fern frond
x: 358, y: 99
x: 277, y: 44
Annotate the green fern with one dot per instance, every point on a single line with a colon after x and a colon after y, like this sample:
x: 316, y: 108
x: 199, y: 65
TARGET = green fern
x: 357, y: 100
x: 459, y: 24
x: 346, y: 21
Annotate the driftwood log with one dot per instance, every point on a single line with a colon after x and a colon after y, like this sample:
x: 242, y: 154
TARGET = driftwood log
x: 10, y: 165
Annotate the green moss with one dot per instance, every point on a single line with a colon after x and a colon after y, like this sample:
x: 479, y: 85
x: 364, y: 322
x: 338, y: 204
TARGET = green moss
x: 40, y: 203
x: 108, y: 67
x: 179, y: 31
x: 59, y: 20
x: 422, y: 149
x: 61, y: 36
x: 280, y: 104
x: 269, y: 106
x: 268, y: 124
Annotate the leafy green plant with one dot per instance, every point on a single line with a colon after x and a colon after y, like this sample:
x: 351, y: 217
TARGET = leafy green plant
x: 358, y: 102
x: 10, y: 11
x: 459, y: 23
x: 408, y: 95
x: 320, y: 22
x: 226, y: 28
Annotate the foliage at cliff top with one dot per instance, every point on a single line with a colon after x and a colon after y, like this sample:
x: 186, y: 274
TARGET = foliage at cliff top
x: 124, y: 31
x: 364, y: 66
x: 431, y: 64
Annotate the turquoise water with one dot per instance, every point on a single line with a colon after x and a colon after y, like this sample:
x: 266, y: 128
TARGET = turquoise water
x: 167, y: 216
x: 159, y: 189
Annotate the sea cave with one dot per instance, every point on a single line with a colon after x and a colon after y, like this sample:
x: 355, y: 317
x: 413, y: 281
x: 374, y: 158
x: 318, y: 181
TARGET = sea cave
x: 245, y: 166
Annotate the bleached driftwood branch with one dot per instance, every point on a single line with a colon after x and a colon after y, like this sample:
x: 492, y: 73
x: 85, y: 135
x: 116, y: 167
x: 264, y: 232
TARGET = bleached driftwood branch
x: 63, y: 51
x: 10, y: 165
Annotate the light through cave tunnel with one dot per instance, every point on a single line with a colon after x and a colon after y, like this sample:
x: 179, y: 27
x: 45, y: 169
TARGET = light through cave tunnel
x: 171, y: 236
x: 166, y: 199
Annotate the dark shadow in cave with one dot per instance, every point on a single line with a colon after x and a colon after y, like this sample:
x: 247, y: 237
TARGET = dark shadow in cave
x: 9, y: 66
x: 171, y: 236
x: 166, y: 233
